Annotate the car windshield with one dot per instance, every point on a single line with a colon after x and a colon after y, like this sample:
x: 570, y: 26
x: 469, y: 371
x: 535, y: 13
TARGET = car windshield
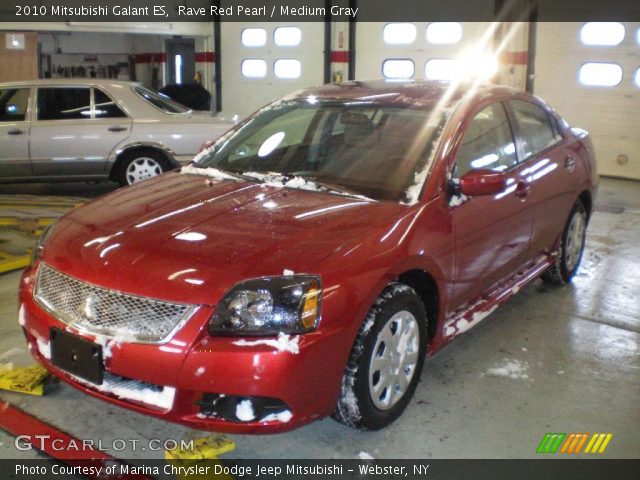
x: 356, y: 148
x: 160, y: 101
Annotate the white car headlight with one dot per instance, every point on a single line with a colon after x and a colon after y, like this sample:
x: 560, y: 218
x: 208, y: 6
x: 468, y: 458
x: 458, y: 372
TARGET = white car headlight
x: 269, y: 306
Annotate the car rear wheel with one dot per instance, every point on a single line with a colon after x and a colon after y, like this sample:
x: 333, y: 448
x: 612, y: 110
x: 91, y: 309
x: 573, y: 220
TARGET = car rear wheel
x: 571, y: 248
x: 386, y: 361
x: 140, y: 165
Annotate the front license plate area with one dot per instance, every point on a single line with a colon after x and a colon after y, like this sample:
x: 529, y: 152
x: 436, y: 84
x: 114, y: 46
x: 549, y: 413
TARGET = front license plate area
x: 76, y: 356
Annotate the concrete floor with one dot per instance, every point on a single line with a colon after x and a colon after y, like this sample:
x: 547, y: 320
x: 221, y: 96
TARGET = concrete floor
x: 575, y: 353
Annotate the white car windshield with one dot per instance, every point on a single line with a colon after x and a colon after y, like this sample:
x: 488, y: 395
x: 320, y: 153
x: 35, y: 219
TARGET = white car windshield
x: 159, y: 100
x: 357, y: 148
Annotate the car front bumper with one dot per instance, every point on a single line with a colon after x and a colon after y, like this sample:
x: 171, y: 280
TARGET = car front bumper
x: 176, y: 380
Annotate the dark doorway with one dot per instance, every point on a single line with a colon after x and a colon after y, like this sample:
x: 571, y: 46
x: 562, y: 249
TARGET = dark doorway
x: 181, y: 61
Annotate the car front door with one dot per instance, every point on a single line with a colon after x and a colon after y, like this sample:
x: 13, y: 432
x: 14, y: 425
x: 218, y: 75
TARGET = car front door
x: 14, y: 132
x: 75, y: 130
x: 492, y: 232
x: 550, y: 163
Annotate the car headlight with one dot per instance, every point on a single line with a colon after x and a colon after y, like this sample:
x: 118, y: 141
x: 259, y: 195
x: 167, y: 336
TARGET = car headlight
x: 269, y: 306
x: 39, y: 246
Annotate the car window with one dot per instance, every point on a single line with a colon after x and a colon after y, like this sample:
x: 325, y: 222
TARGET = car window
x: 13, y: 104
x: 105, y: 107
x: 487, y: 143
x: 64, y: 103
x: 369, y: 149
x: 160, y: 101
x: 535, y: 129
x: 288, y: 132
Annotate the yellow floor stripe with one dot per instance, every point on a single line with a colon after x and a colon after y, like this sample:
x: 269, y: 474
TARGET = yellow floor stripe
x: 596, y: 445
x: 605, y: 443
x: 590, y: 444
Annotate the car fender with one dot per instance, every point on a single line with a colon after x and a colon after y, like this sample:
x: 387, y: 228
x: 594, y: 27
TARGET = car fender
x: 130, y: 144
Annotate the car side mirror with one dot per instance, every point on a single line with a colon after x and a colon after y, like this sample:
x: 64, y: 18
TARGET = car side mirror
x: 482, y: 182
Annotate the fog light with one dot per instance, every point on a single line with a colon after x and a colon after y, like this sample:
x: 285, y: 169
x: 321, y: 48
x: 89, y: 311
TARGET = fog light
x: 240, y: 409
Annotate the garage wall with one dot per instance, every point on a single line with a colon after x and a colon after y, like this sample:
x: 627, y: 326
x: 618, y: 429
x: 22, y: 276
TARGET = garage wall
x: 242, y: 94
x: 611, y: 114
x: 372, y: 50
x: 19, y: 64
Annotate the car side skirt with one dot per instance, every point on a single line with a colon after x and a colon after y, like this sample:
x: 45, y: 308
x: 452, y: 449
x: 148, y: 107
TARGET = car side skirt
x: 473, y: 312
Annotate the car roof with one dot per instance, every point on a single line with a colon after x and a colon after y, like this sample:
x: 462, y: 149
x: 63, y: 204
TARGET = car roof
x: 99, y: 82
x: 405, y: 92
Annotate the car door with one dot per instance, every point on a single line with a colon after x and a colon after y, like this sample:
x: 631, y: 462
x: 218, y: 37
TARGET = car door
x: 492, y: 232
x: 549, y: 164
x: 14, y: 132
x: 73, y: 134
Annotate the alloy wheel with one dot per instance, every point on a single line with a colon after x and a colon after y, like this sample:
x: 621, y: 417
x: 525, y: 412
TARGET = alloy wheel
x: 141, y: 169
x: 575, y: 240
x: 394, y: 360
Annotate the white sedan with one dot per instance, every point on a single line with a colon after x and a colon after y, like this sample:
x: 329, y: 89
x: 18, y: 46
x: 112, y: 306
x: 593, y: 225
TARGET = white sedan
x: 92, y: 130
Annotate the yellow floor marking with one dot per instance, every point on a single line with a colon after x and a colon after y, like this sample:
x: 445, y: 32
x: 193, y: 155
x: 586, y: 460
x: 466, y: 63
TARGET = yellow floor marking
x: 29, y: 379
x: 9, y: 262
x: 205, y: 454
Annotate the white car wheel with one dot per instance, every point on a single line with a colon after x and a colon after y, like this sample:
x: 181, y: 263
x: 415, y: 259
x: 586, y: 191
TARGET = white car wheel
x: 394, y: 360
x: 141, y: 169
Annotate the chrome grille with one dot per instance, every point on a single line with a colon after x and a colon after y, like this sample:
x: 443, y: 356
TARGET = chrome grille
x: 106, y: 312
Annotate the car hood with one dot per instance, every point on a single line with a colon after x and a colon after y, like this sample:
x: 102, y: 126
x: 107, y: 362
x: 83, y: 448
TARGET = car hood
x: 189, y: 238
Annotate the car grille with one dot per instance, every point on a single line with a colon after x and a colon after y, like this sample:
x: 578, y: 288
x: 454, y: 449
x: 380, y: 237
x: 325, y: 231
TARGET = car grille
x: 106, y: 312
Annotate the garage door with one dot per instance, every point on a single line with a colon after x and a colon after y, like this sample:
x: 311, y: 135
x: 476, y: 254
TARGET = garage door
x: 589, y: 73
x: 414, y: 50
x: 264, y: 61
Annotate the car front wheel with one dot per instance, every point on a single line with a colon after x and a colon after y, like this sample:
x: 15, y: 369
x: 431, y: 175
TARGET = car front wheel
x: 571, y: 248
x: 386, y: 360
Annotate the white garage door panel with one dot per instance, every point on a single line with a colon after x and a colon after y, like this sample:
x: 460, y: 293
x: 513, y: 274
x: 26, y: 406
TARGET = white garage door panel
x: 242, y: 95
x: 372, y: 51
x: 610, y: 114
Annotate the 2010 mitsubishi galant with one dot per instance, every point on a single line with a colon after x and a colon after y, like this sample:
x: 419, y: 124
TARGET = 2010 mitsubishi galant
x: 306, y: 263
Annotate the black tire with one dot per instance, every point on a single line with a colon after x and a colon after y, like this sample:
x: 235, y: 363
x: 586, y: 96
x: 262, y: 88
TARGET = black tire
x: 356, y: 406
x: 565, y: 266
x: 155, y: 164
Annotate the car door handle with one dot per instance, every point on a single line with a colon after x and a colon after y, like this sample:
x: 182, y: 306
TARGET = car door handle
x: 117, y: 128
x: 522, y: 189
x: 569, y: 163
x: 15, y: 131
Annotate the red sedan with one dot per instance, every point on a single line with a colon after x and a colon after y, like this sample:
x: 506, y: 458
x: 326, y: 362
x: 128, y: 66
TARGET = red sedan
x: 306, y: 263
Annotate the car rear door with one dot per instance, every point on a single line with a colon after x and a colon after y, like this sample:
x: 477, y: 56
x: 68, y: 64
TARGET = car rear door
x: 549, y: 165
x: 492, y: 232
x: 14, y: 132
x: 75, y: 130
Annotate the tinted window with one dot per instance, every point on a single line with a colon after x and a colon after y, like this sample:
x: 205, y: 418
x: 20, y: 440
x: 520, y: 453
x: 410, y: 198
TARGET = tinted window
x: 13, y: 104
x: 159, y: 100
x: 105, y: 107
x: 535, y: 129
x: 63, y: 103
x: 374, y: 150
x: 487, y: 143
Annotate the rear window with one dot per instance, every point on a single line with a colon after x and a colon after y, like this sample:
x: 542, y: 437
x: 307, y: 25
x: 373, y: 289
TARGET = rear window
x: 105, y: 107
x: 159, y: 100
